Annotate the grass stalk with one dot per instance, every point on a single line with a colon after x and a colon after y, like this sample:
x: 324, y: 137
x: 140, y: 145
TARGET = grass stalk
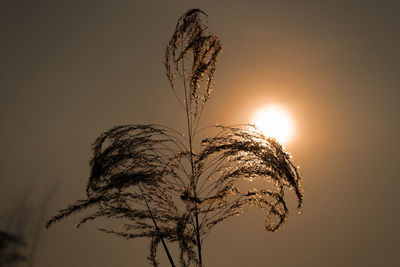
x: 171, y: 261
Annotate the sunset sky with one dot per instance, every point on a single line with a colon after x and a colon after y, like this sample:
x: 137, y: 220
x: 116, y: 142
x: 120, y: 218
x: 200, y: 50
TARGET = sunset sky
x: 70, y: 70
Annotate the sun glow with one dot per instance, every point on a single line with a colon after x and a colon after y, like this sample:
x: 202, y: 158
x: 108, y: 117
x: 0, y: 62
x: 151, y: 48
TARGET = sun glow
x: 275, y: 122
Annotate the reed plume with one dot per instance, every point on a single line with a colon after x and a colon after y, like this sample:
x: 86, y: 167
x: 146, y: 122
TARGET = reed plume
x: 151, y: 178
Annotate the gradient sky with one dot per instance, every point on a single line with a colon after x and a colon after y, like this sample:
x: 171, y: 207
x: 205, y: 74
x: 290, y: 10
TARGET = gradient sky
x: 70, y: 70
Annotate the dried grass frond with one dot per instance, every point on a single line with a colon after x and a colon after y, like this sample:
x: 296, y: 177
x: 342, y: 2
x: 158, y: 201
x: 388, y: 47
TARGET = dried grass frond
x: 191, y: 43
x: 150, y: 177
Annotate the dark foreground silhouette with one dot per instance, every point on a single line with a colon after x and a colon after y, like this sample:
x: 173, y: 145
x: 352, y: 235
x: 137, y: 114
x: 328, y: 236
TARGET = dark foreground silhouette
x: 154, y: 180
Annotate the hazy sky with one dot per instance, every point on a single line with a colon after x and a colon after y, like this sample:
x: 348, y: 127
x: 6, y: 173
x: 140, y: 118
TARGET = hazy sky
x: 70, y: 70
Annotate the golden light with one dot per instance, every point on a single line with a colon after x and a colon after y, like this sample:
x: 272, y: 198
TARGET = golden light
x: 275, y: 122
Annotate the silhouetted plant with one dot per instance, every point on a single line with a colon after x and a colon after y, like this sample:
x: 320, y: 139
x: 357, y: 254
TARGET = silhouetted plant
x: 22, y: 227
x: 9, y: 249
x: 151, y: 175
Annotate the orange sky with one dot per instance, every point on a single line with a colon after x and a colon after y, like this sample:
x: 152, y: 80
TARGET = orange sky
x: 71, y: 70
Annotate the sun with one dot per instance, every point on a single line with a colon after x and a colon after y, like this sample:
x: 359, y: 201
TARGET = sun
x: 274, y: 121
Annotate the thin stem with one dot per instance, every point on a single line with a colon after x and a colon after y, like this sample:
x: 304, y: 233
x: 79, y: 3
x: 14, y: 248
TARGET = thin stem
x: 192, y: 180
x: 171, y: 261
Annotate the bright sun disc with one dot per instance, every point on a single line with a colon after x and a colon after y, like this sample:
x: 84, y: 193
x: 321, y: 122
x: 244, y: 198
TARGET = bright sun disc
x: 275, y: 122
